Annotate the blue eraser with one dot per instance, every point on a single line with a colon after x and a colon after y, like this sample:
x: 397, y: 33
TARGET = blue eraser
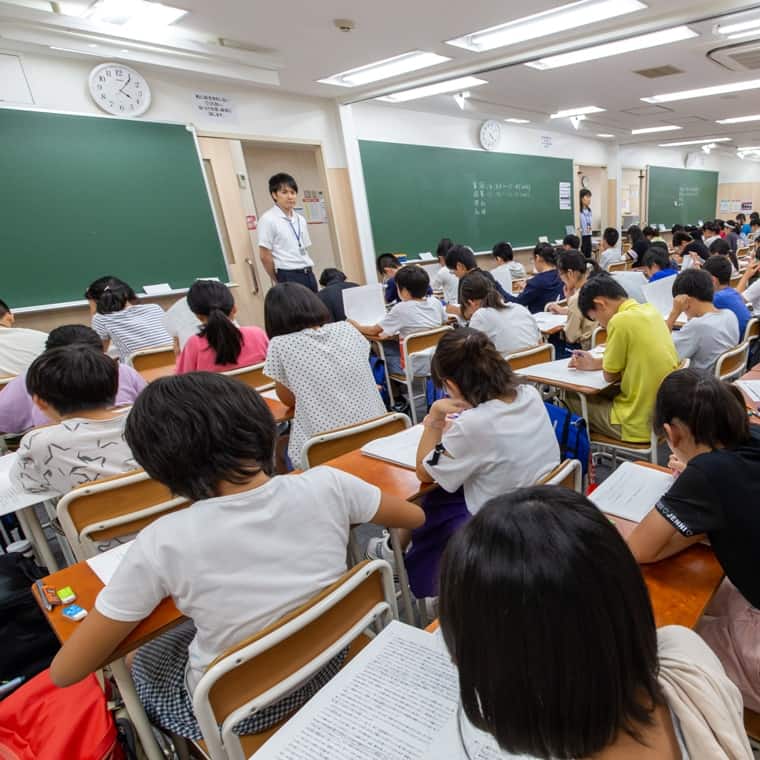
x: 74, y: 612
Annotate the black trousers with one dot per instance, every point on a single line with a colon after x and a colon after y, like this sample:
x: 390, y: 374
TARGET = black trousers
x: 303, y: 276
x: 586, y: 246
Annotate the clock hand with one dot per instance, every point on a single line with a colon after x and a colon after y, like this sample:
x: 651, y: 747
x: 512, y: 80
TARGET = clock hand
x: 129, y: 79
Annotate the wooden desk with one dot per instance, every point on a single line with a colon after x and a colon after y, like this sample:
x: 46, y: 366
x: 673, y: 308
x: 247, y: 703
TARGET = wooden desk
x: 753, y: 374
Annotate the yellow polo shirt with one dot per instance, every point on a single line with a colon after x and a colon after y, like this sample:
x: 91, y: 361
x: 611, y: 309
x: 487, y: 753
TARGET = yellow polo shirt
x: 640, y: 348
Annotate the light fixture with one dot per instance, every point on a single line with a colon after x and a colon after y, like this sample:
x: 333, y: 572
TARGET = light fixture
x: 703, y: 92
x: 739, y: 119
x: 460, y: 98
x: 742, y: 35
x: 648, y: 130
x: 749, y: 148
x: 605, y: 135
x: 580, y: 111
x: 517, y: 121
x: 452, y: 85
x: 739, y: 26
x: 554, y: 21
x: 133, y: 13
x: 709, y: 147
x: 665, y: 37
x: 388, y: 67
x: 576, y: 120
x: 695, y: 142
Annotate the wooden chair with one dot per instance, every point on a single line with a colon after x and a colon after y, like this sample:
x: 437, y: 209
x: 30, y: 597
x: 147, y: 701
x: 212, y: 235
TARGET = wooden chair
x: 618, y: 266
x: 540, y: 354
x: 111, y: 508
x: 5, y: 380
x: 262, y: 669
x: 326, y: 446
x: 732, y: 363
x: 751, y: 331
x: 415, y: 345
x: 752, y: 724
x: 152, y: 358
x: 734, y: 281
x: 253, y: 376
x: 628, y: 449
x: 568, y: 474
x: 598, y: 337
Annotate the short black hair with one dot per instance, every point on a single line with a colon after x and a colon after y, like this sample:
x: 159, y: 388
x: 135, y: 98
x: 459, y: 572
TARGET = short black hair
x: 66, y: 335
x: 573, y: 241
x: 720, y: 246
x: 754, y: 221
x: 4, y: 308
x: 681, y: 237
x: 677, y: 228
x: 74, y: 378
x: 649, y: 231
x: 695, y: 283
x: 290, y: 307
x: 719, y: 267
x: 600, y: 285
x: 540, y: 573
x: 546, y: 252
x: 387, y: 260
x: 443, y: 245
x: 635, y: 233
x: 656, y: 256
x: 575, y: 261
x: 460, y: 254
x: 714, y: 411
x: 478, y: 286
x: 503, y: 251
x: 469, y: 358
x: 110, y: 294
x: 280, y: 180
x: 414, y: 279
x: 213, y: 300
x: 611, y: 236
x: 330, y: 276
x: 194, y: 431
x: 710, y: 226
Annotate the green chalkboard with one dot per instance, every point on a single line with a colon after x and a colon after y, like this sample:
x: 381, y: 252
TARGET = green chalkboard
x: 84, y: 196
x: 681, y: 196
x: 418, y: 194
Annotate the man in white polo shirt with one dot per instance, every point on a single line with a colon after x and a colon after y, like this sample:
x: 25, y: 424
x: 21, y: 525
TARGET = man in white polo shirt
x: 284, y: 236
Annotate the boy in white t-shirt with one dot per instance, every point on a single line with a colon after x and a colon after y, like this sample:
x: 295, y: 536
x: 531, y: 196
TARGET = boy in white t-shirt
x: 19, y: 347
x: 415, y: 312
x: 250, y: 549
x: 610, y: 251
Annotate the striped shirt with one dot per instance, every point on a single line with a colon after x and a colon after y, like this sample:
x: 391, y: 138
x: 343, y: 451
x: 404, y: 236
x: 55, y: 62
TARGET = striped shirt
x: 133, y: 328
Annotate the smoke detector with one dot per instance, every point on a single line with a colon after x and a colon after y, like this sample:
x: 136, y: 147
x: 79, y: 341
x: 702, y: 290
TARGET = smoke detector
x: 344, y: 24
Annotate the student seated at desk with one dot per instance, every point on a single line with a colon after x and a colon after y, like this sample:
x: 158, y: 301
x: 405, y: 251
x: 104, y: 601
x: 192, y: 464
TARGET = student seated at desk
x: 19, y: 413
x: 505, y: 260
x: 387, y: 266
x: 705, y: 422
x: 639, y: 243
x: 460, y: 260
x: 609, y: 250
x: 76, y: 387
x: 698, y: 250
x: 657, y: 264
x: 332, y: 283
x: 574, y: 269
x: 117, y: 316
x: 250, y: 549
x: 19, y: 347
x: 727, y: 297
x: 639, y: 354
x: 571, y: 243
x: 320, y: 367
x: 509, y: 326
x: 444, y: 279
x: 750, y: 293
x: 549, y: 623
x: 220, y: 344
x: 181, y: 324
x: 415, y: 312
x: 720, y: 247
x: 545, y: 286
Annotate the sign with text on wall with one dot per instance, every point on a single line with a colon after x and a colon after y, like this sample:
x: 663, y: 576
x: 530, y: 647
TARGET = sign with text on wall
x: 214, y: 107
x: 314, y: 207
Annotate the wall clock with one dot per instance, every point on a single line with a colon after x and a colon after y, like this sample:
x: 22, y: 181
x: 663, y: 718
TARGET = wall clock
x: 119, y: 90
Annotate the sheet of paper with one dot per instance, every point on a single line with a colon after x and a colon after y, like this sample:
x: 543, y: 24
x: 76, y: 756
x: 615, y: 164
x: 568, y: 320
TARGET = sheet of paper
x: 548, y: 321
x: 426, y: 256
x: 559, y: 372
x: 631, y: 491
x: 751, y: 388
x: 11, y: 496
x: 104, y: 565
x: 271, y: 393
x: 365, y: 304
x: 399, y: 448
x: 660, y: 295
x: 158, y: 289
x: 391, y: 701
x: 480, y: 746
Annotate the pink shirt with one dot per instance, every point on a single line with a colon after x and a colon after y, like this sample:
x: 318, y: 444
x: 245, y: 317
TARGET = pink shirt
x: 198, y: 356
x: 18, y: 413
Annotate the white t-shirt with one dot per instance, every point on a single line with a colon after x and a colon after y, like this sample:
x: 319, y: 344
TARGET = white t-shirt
x: 133, y: 328
x: 19, y: 347
x: 234, y: 564
x: 408, y: 317
x: 496, y: 447
x: 509, y: 329
x: 286, y: 237
x: 503, y: 275
x: 752, y: 296
x: 444, y: 280
x: 610, y: 256
x: 703, y: 339
x: 75, y: 451
x: 517, y: 270
x: 327, y: 370
x: 180, y: 322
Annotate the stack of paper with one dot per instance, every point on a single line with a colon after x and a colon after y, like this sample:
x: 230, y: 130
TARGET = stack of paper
x: 547, y: 321
x: 751, y: 388
x: 365, y: 304
x: 631, y: 491
x: 104, y: 565
x: 399, y: 448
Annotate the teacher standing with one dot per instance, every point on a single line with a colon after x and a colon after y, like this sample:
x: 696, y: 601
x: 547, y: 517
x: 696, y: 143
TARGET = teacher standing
x: 586, y: 226
x: 284, y: 236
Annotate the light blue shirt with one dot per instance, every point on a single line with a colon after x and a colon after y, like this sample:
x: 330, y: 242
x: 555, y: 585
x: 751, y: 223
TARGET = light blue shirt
x: 585, y: 222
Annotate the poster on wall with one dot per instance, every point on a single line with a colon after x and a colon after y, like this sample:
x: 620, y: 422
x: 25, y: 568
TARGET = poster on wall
x: 315, y: 210
x: 565, y: 196
x: 724, y: 206
x: 214, y: 107
x: 735, y: 206
x: 746, y: 205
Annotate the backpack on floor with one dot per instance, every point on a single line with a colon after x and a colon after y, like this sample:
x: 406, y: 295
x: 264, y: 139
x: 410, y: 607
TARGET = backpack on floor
x: 571, y: 433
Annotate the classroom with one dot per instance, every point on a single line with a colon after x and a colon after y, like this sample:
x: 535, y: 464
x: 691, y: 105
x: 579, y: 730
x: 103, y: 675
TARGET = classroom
x: 380, y: 381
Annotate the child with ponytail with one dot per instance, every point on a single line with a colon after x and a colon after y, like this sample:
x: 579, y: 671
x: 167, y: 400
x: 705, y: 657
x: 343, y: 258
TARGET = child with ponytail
x: 220, y: 344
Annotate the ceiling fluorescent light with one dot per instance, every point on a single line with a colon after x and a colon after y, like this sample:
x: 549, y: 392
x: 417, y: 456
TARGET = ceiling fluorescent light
x: 740, y: 26
x: 581, y: 111
x: 518, y: 121
x: 133, y: 13
x: 389, y: 67
x: 695, y: 142
x: 703, y: 92
x: 452, y: 85
x: 555, y: 21
x: 606, y: 135
x: 739, y: 119
x: 749, y: 148
x: 665, y: 37
x: 648, y: 130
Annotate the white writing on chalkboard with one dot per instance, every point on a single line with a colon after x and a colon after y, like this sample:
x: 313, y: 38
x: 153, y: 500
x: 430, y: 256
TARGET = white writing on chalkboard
x: 483, y: 192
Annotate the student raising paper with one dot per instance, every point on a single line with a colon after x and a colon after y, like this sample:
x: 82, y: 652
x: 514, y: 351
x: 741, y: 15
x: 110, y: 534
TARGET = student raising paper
x: 250, y: 549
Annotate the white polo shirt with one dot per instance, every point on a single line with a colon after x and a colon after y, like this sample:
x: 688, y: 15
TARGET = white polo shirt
x: 286, y: 237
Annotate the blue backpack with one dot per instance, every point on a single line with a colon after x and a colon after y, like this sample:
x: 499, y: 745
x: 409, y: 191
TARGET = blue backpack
x: 571, y: 433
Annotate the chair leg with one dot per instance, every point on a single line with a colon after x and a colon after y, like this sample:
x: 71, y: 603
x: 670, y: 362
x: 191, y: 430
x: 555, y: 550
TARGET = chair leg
x: 403, y: 578
x: 410, y: 391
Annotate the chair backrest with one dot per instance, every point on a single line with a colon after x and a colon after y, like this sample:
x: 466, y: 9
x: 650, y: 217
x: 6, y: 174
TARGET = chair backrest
x: 262, y: 669
x: 568, y: 474
x: 5, y: 380
x: 326, y: 446
x: 540, y: 354
x: 422, y: 341
x: 752, y: 330
x: 598, y: 337
x: 151, y: 358
x: 618, y: 266
x: 734, y: 281
x: 253, y: 376
x: 741, y: 252
x: 113, y: 507
x: 732, y: 363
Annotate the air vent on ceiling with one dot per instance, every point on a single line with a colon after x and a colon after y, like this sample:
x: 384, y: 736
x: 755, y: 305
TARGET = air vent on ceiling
x: 659, y: 71
x: 744, y: 57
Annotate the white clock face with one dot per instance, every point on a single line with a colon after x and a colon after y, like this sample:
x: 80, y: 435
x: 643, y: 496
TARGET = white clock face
x: 119, y: 90
x: 490, y: 134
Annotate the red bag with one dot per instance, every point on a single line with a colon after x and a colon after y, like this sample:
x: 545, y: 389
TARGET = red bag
x: 39, y: 721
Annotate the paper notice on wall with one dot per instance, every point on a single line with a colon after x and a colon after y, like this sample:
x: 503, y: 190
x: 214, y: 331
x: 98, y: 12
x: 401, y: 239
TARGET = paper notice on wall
x: 565, y: 196
x: 736, y: 206
x: 315, y: 208
x: 214, y: 107
x: 724, y: 206
x: 746, y: 205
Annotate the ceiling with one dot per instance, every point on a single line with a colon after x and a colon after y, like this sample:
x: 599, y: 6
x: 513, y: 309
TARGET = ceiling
x: 299, y: 41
